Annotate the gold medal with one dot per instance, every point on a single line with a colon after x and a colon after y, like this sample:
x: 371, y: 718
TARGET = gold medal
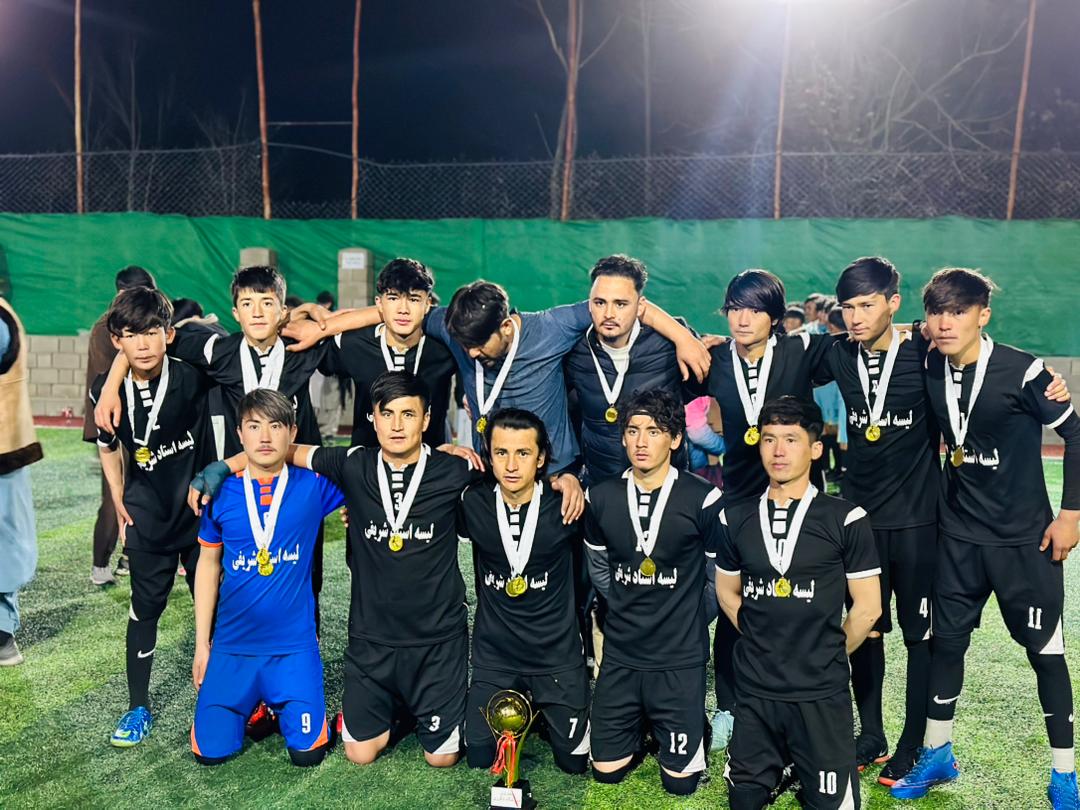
x: 611, y: 415
x: 481, y: 425
x: 873, y: 433
x: 396, y: 543
x: 516, y: 586
x: 957, y: 457
x: 143, y: 455
x: 647, y: 567
x: 266, y: 569
x: 263, y: 557
x: 783, y: 588
x: 752, y: 435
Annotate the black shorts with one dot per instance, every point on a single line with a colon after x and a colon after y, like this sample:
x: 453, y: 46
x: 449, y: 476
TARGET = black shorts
x: 562, y: 698
x: 908, y: 558
x: 1029, y: 585
x: 673, y: 700
x: 429, y: 681
x: 153, y: 575
x: 818, y: 736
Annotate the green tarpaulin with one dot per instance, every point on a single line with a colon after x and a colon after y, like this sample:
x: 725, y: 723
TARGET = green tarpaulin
x: 61, y: 266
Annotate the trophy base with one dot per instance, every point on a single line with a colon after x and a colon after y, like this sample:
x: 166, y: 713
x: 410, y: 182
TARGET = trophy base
x: 518, y: 796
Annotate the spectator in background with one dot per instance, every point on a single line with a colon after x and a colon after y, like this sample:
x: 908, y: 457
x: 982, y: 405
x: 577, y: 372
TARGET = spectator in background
x: 831, y: 402
x: 18, y: 449
x: 703, y: 441
x: 811, y: 308
x: 101, y: 354
x: 794, y: 318
x: 327, y: 392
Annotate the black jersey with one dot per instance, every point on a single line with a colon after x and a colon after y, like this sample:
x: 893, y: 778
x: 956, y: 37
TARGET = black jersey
x: 998, y: 495
x: 895, y: 478
x: 359, y: 354
x: 792, y: 647
x: 220, y: 358
x: 655, y: 622
x: 652, y: 364
x: 156, y: 479
x: 795, y: 362
x: 415, y: 595
x: 537, y: 632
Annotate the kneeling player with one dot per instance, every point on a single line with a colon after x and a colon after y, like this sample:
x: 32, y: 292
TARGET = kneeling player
x: 783, y: 568
x: 258, y: 542
x: 526, y: 635
x: 648, y: 534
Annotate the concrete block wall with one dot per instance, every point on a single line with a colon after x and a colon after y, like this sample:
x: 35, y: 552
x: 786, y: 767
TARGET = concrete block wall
x: 57, y: 368
x: 1069, y: 368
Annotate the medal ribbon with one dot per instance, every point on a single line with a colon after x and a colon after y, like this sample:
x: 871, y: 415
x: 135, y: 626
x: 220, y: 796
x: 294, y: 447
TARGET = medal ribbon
x: 960, y: 424
x: 486, y: 405
x: 611, y: 392
x: 380, y: 330
x: 263, y: 535
x: 517, y: 554
x: 647, y: 544
x: 752, y: 406
x: 781, y: 562
x: 271, y: 375
x: 397, y: 519
x: 155, y: 407
x: 875, y: 404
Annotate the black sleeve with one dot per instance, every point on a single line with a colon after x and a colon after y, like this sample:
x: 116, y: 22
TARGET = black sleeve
x: 330, y: 462
x: 818, y: 349
x: 860, y: 550
x: 190, y: 345
x: 1062, y: 419
x: 332, y: 362
x: 727, y: 555
x: 596, y: 553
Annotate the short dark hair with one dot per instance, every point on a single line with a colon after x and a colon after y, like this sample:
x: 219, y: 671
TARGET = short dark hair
x: 293, y: 301
x: 391, y: 385
x: 138, y: 309
x: 261, y: 279
x: 404, y: 276
x: 869, y: 275
x: 827, y: 305
x: 956, y: 288
x: 134, y: 276
x: 325, y: 298
x: 184, y: 308
x: 658, y: 404
x: 788, y: 410
x: 756, y: 289
x: 836, y: 318
x: 519, y: 419
x: 795, y: 312
x: 815, y: 298
x: 622, y: 265
x: 266, y: 402
x: 476, y: 312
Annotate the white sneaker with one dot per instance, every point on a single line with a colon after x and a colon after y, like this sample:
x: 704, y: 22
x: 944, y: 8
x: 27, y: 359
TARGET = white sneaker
x: 101, y: 576
x: 9, y: 654
x: 722, y: 725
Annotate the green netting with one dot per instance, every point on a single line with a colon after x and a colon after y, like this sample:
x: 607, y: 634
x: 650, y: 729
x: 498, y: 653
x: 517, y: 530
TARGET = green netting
x: 61, y: 266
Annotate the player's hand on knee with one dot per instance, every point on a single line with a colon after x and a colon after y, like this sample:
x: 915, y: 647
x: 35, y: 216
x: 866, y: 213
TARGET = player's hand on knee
x: 1063, y: 534
x: 573, y: 498
x: 198, y: 665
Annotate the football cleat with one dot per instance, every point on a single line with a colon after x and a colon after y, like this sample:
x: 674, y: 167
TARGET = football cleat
x: 870, y: 751
x: 9, y: 653
x: 935, y: 766
x: 262, y: 723
x: 1062, y: 791
x: 133, y: 727
x: 898, y: 766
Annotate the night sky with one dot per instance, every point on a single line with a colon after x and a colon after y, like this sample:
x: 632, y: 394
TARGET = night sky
x: 468, y: 79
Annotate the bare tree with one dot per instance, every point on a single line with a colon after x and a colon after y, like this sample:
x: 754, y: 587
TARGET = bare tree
x: 569, y: 56
x: 219, y: 168
x: 79, y: 199
x: 256, y: 11
x: 355, y: 112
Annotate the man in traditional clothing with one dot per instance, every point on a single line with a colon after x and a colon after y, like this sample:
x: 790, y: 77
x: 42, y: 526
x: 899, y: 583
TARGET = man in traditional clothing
x: 19, y: 449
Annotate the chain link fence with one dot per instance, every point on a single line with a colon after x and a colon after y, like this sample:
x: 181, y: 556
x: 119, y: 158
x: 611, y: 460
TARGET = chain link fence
x: 226, y: 181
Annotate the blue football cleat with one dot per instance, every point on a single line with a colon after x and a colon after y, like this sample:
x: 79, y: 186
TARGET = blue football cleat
x: 133, y: 727
x: 1062, y: 791
x: 935, y: 766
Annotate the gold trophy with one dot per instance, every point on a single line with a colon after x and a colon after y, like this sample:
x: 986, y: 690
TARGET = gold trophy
x: 509, y: 715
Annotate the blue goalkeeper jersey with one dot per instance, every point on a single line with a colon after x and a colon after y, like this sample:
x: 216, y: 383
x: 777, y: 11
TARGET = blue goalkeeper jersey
x: 272, y: 614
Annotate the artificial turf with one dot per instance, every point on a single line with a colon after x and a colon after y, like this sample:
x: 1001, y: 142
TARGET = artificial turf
x: 58, y: 709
